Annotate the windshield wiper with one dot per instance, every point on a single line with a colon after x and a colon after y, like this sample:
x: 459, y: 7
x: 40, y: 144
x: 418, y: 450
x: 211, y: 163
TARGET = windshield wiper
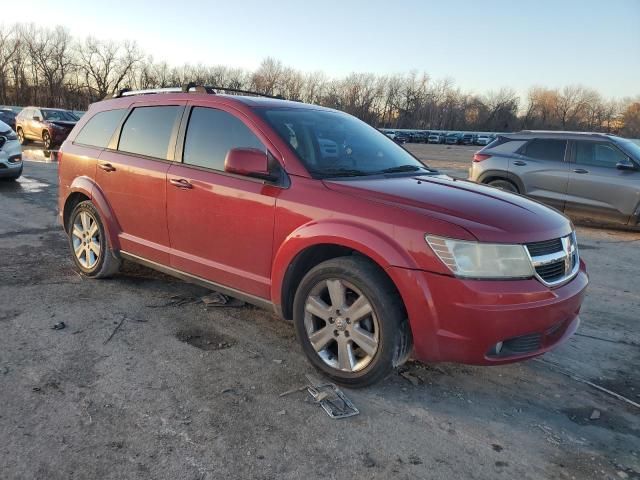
x: 404, y: 168
x: 342, y: 172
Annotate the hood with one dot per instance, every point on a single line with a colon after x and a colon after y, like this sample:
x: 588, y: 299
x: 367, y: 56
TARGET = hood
x: 62, y: 123
x: 489, y: 214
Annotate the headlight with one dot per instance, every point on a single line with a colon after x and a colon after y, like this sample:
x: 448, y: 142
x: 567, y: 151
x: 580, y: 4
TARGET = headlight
x: 482, y: 260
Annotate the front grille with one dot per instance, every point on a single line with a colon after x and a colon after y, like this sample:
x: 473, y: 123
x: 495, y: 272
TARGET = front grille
x: 544, y: 248
x: 521, y: 345
x: 555, y: 261
x: 552, y: 271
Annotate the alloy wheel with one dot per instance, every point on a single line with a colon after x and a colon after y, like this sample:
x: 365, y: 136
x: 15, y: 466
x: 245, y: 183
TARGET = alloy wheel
x: 86, y: 238
x: 341, y: 325
x: 46, y: 139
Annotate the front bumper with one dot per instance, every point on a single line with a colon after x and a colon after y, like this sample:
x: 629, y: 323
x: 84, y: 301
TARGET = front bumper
x: 457, y: 320
x: 10, y: 159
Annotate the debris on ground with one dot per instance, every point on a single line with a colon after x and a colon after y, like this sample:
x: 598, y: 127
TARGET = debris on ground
x: 217, y: 299
x: 58, y: 326
x: 176, y: 301
x: 293, y: 390
x: 415, y: 380
x: 595, y: 415
x: 124, y: 317
x: 331, y: 399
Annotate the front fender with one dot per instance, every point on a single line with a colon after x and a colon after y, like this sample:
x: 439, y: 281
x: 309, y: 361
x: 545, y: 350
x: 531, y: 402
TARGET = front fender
x: 88, y: 187
x: 381, y: 248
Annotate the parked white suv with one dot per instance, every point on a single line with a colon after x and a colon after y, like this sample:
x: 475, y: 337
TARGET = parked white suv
x: 10, y: 153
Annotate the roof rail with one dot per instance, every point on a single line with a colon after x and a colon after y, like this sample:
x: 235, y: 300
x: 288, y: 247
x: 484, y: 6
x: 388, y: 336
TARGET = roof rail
x: 189, y: 88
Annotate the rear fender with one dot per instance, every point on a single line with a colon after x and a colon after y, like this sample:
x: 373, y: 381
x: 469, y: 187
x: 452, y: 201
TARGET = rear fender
x: 89, y: 188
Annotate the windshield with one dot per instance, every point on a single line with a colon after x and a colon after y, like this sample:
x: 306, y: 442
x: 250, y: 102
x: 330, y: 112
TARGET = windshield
x: 333, y: 144
x: 630, y: 147
x: 59, y: 115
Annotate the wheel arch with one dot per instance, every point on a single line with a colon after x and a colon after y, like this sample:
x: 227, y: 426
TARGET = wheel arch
x: 312, y: 244
x: 84, y: 188
x: 490, y: 175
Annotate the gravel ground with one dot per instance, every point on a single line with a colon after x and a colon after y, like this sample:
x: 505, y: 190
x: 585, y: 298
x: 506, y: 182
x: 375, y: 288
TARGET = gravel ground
x: 182, y: 392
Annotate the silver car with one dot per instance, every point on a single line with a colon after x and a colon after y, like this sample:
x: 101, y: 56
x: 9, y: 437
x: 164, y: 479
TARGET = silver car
x: 10, y: 153
x: 588, y: 176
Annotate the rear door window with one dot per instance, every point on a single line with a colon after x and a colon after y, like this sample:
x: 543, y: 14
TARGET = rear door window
x: 148, y: 131
x: 595, y: 154
x: 546, y: 149
x: 211, y: 133
x: 97, y: 132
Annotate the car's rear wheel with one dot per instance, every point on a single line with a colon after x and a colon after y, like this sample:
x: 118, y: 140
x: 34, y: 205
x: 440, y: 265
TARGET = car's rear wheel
x: 350, y: 321
x: 504, y: 185
x: 21, y: 138
x: 46, y: 139
x: 89, y: 244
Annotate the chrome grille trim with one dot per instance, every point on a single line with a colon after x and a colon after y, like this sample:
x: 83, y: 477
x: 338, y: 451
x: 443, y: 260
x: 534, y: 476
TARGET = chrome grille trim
x: 568, y: 255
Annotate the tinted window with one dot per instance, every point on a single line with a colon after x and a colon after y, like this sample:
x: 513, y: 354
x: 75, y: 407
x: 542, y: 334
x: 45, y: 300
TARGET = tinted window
x: 98, y: 130
x: 211, y: 134
x: 599, y: 155
x: 58, y: 115
x: 148, y: 130
x: 333, y: 144
x: 545, y: 149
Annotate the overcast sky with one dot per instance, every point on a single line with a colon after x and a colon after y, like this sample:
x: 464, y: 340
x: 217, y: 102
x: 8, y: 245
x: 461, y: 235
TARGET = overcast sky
x: 482, y: 45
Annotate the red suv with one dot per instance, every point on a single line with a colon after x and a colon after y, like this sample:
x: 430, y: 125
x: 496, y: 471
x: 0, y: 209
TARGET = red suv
x: 319, y: 217
x: 49, y: 125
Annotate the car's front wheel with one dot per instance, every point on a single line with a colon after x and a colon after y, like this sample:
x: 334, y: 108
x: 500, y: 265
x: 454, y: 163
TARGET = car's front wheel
x: 89, y: 243
x: 350, y: 321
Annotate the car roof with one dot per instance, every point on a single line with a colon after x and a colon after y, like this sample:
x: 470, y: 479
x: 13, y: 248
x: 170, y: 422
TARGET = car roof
x: 562, y: 135
x: 244, y: 100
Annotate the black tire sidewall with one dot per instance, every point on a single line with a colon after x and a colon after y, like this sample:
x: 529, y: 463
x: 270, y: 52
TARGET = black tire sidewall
x: 104, y: 244
x: 362, y: 274
x: 505, y: 185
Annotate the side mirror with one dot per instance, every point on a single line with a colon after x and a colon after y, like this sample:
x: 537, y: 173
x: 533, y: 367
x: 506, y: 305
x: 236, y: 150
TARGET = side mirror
x: 249, y: 162
x: 37, y: 118
x: 628, y: 165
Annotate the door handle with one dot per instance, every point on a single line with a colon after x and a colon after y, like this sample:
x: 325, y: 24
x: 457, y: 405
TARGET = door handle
x: 580, y: 170
x: 107, y: 167
x: 519, y: 163
x: 180, y: 183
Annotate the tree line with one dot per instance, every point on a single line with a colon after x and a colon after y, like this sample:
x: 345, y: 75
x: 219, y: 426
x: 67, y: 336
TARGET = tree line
x: 48, y: 67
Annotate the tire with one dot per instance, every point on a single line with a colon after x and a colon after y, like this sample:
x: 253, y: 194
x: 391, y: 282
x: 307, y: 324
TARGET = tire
x: 353, y: 353
x: 46, y: 140
x: 21, y: 138
x: 506, y: 185
x: 86, y: 230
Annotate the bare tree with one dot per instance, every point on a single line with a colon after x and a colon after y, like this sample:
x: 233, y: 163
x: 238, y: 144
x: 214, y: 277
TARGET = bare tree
x: 106, y: 64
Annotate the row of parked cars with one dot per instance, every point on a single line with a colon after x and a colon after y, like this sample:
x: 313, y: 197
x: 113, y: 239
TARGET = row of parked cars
x: 441, y: 137
x: 19, y: 126
x: 47, y: 125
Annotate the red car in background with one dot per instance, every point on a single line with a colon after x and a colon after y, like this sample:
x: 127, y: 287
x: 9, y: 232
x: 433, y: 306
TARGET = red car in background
x: 319, y: 217
x: 48, y: 125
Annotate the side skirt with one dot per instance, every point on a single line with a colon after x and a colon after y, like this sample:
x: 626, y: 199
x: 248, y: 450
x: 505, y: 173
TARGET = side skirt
x: 232, y: 292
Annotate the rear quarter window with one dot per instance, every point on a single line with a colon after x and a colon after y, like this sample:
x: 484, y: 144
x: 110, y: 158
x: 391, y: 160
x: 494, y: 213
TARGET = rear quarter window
x: 545, y: 149
x: 97, y: 132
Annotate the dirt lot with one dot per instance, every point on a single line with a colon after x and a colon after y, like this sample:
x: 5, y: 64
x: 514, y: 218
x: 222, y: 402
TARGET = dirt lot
x: 182, y: 392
